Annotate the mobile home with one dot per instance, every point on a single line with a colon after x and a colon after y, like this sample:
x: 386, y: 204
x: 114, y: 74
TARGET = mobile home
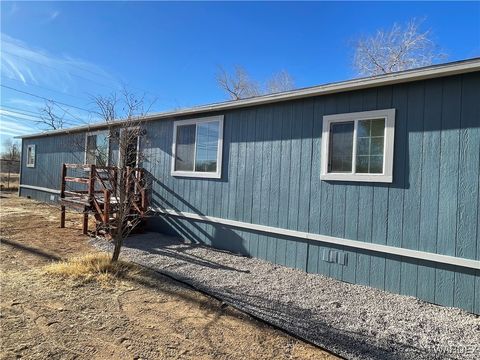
x: 371, y: 181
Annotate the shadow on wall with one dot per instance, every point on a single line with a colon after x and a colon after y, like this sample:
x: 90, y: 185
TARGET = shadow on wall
x: 215, y: 235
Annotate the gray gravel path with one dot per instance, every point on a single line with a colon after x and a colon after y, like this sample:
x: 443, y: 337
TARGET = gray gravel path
x: 353, y: 321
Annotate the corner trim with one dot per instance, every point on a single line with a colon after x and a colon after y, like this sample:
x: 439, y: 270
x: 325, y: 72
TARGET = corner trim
x: 386, y: 249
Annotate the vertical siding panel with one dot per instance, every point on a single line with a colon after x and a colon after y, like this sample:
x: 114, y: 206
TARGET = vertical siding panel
x: 397, y: 188
x: 476, y: 306
x: 339, y: 197
x: 257, y: 177
x: 365, y: 208
x: 430, y: 186
x: 294, y: 186
x: 305, y: 178
x: 380, y: 208
x: 315, y: 185
x: 159, y: 166
x: 250, y: 140
x: 242, y: 242
x: 241, y: 167
x: 413, y: 174
x: 226, y: 164
x: 326, y: 202
x: 468, y: 188
x: 232, y: 170
x: 275, y: 180
x: 351, y: 206
x: 266, y: 125
x: 283, y: 206
x: 169, y: 178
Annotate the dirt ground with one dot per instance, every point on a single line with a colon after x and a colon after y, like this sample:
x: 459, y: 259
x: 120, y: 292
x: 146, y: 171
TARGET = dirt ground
x: 146, y: 316
x: 9, y: 181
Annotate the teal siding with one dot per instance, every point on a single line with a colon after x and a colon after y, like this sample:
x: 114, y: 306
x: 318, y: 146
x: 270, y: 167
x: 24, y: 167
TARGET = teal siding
x: 271, y: 176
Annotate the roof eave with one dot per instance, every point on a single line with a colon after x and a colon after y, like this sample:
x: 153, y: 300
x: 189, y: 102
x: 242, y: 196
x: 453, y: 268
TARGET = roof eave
x: 460, y: 67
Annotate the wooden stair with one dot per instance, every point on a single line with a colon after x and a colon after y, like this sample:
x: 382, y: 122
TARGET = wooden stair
x: 96, y: 193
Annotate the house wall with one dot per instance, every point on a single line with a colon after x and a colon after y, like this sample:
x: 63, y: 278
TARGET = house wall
x: 271, y: 176
x: 51, y: 153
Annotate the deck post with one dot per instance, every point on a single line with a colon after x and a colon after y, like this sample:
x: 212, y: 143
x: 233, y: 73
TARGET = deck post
x: 91, y: 193
x: 62, y: 195
x: 106, y: 206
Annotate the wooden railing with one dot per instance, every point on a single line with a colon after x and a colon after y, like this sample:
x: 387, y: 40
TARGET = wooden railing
x: 102, y: 187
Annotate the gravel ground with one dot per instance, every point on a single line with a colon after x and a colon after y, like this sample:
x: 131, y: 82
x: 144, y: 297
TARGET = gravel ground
x: 353, y: 321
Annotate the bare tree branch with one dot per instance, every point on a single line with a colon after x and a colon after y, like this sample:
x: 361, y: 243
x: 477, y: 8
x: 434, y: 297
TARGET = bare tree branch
x: 50, y: 118
x: 400, y: 48
x: 123, y: 136
x: 12, y: 150
x: 239, y: 85
x: 281, y: 81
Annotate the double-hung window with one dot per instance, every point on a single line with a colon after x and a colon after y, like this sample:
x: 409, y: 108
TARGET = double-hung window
x: 358, y: 146
x: 31, y: 156
x: 197, y: 147
x: 97, y: 148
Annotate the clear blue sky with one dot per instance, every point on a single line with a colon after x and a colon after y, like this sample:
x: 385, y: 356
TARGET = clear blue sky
x: 69, y: 51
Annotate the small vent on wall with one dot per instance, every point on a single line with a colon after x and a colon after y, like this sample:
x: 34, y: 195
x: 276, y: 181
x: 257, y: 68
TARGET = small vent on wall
x: 334, y: 256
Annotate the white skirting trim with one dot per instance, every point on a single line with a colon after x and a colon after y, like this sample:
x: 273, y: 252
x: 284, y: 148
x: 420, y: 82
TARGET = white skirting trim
x: 386, y: 249
x: 39, y: 188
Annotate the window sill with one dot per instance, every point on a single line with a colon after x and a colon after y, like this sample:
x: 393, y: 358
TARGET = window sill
x: 30, y: 166
x: 380, y: 178
x: 192, y: 174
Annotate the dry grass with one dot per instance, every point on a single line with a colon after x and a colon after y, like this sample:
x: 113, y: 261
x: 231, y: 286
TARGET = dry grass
x: 11, y: 185
x: 94, y: 266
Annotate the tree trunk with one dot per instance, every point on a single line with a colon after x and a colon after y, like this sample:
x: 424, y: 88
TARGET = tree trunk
x: 121, y: 223
x: 118, y: 245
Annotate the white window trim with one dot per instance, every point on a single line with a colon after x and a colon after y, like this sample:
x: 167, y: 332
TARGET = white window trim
x: 387, y: 175
x: 86, y: 143
x: 199, y: 174
x: 31, y: 165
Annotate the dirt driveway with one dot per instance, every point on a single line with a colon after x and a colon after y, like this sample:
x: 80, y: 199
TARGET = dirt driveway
x: 146, y: 316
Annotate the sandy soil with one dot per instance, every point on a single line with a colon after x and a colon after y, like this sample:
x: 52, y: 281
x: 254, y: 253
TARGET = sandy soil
x: 145, y: 316
x: 5, y: 184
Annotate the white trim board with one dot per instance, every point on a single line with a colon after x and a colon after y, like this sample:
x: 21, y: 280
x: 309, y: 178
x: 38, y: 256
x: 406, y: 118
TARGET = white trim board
x: 39, y: 188
x: 386, y: 249
x: 429, y: 72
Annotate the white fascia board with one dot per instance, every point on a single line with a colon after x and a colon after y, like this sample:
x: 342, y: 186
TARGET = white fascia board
x: 449, y: 69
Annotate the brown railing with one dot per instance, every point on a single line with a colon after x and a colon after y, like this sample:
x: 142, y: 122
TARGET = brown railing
x: 101, y: 184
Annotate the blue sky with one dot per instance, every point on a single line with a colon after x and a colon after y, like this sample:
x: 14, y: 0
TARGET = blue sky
x: 71, y: 51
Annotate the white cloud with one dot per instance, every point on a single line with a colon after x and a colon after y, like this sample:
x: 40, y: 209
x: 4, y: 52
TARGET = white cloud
x: 12, y: 127
x: 35, y: 66
x: 53, y: 15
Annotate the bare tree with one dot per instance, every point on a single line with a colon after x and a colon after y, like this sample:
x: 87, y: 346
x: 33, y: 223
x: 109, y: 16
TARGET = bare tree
x: 12, y: 150
x: 49, y: 118
x: 400, y: 48
x: 113, y: 159
x: 238, y: 85
x: 281, y: 81
x: 126, y: 135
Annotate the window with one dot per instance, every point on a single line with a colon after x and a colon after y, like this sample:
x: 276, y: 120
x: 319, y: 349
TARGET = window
x: 197, y: 147
x: 31, y: 156
x: 97, y: 148
x: 358, y: 146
